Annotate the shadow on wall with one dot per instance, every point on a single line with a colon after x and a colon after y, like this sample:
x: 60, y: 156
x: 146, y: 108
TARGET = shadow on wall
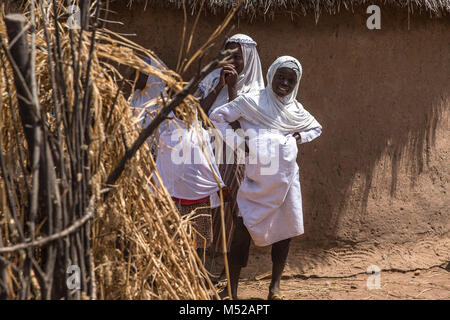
x: 376, y: 93
x: 377, y: 96
x: 352, y: 147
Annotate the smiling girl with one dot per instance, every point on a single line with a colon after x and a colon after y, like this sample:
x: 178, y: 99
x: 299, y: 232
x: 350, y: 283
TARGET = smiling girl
x: 270, y: 203
x: 242, y: 75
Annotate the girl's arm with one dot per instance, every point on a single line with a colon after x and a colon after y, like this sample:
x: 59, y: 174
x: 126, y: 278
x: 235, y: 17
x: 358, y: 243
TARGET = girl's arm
x: 308, y: 135
x: 221, y: 119
x: 228, y: 76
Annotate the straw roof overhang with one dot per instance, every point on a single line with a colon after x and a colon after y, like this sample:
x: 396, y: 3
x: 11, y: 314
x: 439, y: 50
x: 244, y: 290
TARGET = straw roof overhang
x: 268, y: 8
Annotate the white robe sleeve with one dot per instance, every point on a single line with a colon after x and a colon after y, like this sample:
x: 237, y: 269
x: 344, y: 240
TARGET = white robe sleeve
x: 221, y: 119
x: 310, y: 135
x: 208, y: 84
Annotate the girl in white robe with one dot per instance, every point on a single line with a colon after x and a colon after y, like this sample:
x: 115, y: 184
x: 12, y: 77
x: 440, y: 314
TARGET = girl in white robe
x: 184, y: 158
x: 269, y: 199
x: 241, y: 76
x: 186, y: 163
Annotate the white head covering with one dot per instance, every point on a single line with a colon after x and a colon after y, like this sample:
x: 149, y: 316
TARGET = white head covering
x: 269, y: 110
x: 250, y: 79
x: 153, y: 88
x: 145, y: 101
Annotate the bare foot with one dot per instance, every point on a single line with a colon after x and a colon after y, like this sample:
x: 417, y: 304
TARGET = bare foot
x: 275, y: 292
x: 224, y: 295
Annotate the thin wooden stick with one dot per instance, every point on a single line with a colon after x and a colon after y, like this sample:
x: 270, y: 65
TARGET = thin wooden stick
x: 64, y: 233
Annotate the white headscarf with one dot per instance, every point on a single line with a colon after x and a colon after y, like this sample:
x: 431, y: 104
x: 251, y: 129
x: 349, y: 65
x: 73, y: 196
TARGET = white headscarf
x: 153, y: 88
x: 267, y: 109
x: 145, y: 101
x: 250, y: 79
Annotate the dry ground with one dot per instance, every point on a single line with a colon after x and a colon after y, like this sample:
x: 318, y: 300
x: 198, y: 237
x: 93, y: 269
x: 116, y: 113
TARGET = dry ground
x: 428, y: 284
x: 414, y: 270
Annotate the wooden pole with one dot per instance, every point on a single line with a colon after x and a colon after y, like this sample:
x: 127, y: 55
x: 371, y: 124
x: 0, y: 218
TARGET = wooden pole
x: 16, y: 24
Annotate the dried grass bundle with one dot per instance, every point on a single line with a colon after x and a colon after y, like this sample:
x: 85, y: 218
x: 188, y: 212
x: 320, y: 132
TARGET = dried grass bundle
x: 137, y: 246
x: 269, y: 8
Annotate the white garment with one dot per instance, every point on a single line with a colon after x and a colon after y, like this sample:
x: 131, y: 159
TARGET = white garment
x: 264, y: 107
x: 188, y: 179
x: 144, y: 102
x: 269, y: 201
x: 153, y: 87
x: 186, y: 163
x: 250, y: 79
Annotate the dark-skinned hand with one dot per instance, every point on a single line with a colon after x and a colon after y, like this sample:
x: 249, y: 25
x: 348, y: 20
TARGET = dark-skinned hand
x: 228, y: 75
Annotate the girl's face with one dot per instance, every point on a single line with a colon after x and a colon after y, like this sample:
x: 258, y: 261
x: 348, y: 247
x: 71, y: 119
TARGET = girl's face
x: 238, y: 59
x: 284, y: 81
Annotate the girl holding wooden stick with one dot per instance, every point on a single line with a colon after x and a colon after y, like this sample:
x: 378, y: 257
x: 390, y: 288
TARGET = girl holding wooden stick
x: 242, y: 75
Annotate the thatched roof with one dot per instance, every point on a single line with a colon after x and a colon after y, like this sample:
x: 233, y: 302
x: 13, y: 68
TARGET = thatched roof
x: 268, y: 8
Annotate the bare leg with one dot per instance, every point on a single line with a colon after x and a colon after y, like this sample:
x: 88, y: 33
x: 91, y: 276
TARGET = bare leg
x: 238, y: 256
x: 280, y: 252
x: 277, y: 272
x: 235, y: 271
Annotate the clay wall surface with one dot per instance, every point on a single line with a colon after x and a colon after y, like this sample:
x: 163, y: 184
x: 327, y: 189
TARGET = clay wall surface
x: 381, y: 169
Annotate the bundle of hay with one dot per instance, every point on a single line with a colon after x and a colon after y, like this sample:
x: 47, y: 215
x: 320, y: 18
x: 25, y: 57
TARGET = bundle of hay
x: 136, y: 246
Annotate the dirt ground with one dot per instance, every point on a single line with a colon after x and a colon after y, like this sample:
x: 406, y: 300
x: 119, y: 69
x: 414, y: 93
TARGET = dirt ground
x: 413, y: 270
x: 431, y: 284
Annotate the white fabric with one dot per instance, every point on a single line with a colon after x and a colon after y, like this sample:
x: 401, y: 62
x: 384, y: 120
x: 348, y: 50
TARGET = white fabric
x: 271, y: 205
x: 191, y: 181
x: 269, y: 198
x: 144, y: 102
x: 264, y: 107
x: 250, y: 79
x: 153, y: 87
x: 214, y: 200
x: 186, y: 163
